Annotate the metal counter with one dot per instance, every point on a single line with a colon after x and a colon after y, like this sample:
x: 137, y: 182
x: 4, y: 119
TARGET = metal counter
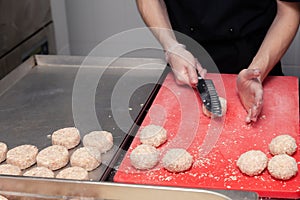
x: 47, y: 93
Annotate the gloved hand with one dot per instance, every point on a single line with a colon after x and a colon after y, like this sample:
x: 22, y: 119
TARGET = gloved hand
x: 184, y: 65
x: 250, y: 91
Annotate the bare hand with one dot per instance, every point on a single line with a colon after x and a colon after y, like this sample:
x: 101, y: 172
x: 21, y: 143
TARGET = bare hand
x: 250, y: 91
x: 184, y: 66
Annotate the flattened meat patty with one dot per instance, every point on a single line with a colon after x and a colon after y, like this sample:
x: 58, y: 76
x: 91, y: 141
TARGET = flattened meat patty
x: 144, y: 157
x: 88, y: 158
x: 22, y: 156
x: 252, y: 162
x: 283, y: 144
x: 68, y: 137
x: 40, y: 172
x: 53, y: 157
x: 3, y: 151
x: 9, y: 169
x: 102, y: 140
x: 153, y: 135
x: 76, y: 173
x: 177, y: 160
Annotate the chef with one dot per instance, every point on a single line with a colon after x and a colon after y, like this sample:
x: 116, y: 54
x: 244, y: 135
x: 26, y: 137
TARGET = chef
x: 247, y: 38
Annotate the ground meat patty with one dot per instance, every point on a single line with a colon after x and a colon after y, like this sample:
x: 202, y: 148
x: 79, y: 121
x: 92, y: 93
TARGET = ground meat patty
x: 153, y: 135
x: 252, y: 162
x: 223, y: 105
x: 53, y: 157
x: 88, y: 158
x: 3, y: 198
x: 39, y: 172
x: 283, y: 144
x: 9, y: 169
x: 67, y: 137
x: 144, y: 157
x: 3, y: 151
x: 75, y: 173
x: 22, y: 156
x: 102, y: 140
x: 177, y: 160
x: 282, y: 167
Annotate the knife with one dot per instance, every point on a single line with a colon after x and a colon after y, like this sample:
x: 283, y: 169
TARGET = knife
x: 209, y: 96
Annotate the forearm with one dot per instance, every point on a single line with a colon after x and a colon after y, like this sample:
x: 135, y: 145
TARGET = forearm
x: 278, y: 38
x: 154, y: 14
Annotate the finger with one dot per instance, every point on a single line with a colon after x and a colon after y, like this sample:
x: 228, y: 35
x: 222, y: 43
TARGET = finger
x: 181, y: 78
x: 254, y: 113
x: 192, y: 74
x: 248, y: 117
x: 202, y: 71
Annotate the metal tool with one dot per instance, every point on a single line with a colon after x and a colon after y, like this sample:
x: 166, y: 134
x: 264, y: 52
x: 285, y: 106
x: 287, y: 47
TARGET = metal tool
x: 209, y: 96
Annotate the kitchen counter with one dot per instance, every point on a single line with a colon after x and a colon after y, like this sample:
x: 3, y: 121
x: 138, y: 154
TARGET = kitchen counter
x: 46, y: 93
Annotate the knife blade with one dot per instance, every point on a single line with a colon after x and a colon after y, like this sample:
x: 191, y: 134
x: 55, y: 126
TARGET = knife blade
x: 209, y: 96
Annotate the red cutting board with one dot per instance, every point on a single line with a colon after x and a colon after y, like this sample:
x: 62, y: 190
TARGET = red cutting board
x: 216, y: 144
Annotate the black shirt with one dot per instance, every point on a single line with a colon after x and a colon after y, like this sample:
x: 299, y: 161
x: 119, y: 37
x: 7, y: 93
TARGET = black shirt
x: 231, y: 31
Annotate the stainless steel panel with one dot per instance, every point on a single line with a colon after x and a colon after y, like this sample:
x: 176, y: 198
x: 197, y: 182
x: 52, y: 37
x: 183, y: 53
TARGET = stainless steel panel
x: 20, y: 19
x: 58, y: 189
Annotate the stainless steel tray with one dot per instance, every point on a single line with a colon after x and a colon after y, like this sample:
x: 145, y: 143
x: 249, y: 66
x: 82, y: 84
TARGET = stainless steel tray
x: 47, y: 93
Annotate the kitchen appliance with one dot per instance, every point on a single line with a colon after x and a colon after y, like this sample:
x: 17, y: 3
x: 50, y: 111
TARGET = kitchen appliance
x: 26, y: 28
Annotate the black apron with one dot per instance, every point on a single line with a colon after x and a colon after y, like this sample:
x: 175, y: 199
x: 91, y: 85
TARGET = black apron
x: 231, y: 31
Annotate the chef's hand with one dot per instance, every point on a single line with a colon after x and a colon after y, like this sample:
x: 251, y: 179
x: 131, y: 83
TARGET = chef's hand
x: 250, y: 91
x: 184, y: 65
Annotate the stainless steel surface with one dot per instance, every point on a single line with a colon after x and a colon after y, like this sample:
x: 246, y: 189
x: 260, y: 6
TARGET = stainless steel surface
x: 37, y: 99
x: 41, y: 102
x: 25, y: 26
x: 20, y: 19
x: 58, y: 189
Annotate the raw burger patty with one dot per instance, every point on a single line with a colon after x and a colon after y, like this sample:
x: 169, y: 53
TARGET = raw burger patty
x: 177, y: 160
x: 102, y: 140
x: 144, y: 157
x: 39, y: 172
x: 76, y: 173
x: 252, y: 162
x: 67, y: 137
x: 88, y: 158
x: 3, y: 198
x: 22, y: 156
x: 9, y: 169
x: 3, y: 151
x: 53, y: 157
x: 283, y: 144
x: 282, y: 167
x: 153, y: 135
x: 223, y: 105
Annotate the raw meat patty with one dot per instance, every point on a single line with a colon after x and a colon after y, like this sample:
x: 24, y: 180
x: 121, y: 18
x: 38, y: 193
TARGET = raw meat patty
x: 223, y: 105
x: 88, y: 158
x: 53, y: 157
x: 3, y: 198
x: 282, y: 167
x: 3, y: 151
x: 39, y: 172
x: 22, y: 156
x: 252, y: 162
x: 102, y: 140
x: 144, y: 157
x: 153, y: 135
x: 177, y: 160
x: 67, y: 137
x: 283, y: 144
x: 9, y: 169
x: 75, y: 173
